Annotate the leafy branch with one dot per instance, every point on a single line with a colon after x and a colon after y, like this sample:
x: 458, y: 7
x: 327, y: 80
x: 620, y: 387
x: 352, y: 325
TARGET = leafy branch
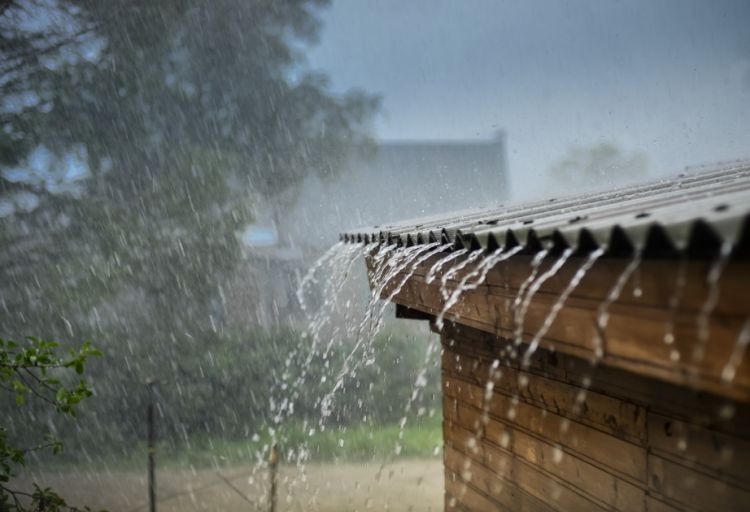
x: 35, y: 369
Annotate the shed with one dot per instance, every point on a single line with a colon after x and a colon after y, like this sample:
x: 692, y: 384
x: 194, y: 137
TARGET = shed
x: 595, y: 359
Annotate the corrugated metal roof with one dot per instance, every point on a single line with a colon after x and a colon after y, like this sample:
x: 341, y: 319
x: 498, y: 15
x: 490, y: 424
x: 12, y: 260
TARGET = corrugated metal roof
x: 692, y: 213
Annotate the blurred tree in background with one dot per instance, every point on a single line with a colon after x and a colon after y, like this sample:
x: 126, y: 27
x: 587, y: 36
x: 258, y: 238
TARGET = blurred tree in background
x: 598, y: 165
x: 132, y: 137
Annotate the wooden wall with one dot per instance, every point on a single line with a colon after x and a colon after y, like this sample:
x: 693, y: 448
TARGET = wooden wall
x: 563, y: 436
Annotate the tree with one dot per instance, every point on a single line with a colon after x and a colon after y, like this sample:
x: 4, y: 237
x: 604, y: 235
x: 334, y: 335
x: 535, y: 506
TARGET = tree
x: 169, y: 116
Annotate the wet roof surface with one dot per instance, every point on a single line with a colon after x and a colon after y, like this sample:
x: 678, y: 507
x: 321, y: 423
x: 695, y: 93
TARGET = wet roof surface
x: 695, y: 213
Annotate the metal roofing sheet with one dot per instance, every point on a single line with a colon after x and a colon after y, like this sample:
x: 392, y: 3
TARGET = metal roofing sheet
x: 693, y: 213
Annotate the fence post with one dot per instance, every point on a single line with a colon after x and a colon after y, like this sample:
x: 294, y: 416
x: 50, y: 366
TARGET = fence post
x: 273, y: 465
x: 151, y: 446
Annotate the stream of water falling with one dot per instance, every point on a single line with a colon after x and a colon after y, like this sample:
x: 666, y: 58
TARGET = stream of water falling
x: 388, y: 264
x: 421, y: 255
x: 533, y: 288
x: 536, y: 263
x: 738, y: 354
x: 480, y: 272
x: 309, y: 277
x: 712, y: 298
x: 602, y: 315
x: 455, y: 269
x: 335, y: 267
x: 339, y: 267
x: 559, y: 303
x: 401, y: 260
x: 432, y: 273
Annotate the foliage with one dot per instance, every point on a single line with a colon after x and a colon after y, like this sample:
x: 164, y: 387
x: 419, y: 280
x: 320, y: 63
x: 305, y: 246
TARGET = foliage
x: 35, y: 369
x: 238, y: 380
x: 182, y: 116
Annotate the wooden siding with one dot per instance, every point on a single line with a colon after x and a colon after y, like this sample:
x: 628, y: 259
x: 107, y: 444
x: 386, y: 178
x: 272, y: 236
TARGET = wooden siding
x: 634, y: 336
x: 562, y: 435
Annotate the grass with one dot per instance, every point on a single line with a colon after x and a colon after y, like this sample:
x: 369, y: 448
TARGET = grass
x: 420, y: 438
x: 353, y: 443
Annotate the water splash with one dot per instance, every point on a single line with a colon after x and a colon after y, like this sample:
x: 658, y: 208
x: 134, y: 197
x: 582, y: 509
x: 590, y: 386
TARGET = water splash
x: 559, y: 303
x: 401, y: 260
x: 331, y: 272
x: 738, y: 354
x: 309, y: 277
x: 602, y: 315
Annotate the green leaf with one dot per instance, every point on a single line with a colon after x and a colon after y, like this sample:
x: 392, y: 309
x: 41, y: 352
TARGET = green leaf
x: 62, y: 395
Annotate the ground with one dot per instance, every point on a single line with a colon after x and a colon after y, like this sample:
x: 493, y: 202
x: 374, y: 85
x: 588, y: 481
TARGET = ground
x: 411, y: 485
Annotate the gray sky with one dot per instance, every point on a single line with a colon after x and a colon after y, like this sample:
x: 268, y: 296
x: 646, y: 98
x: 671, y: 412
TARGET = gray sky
x: 669, y: 78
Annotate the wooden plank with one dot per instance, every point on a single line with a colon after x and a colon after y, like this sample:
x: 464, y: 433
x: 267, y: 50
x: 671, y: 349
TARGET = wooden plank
x: 633, y: 338
x: 553, y: 492
x: 718, y: 413
x: 586, y: 478
x: 450, y: 407
x: 621, y: 456
x: 411, y: 314
x: 716, y: 453
x: 480, y: 344
x: 656, y: 505
x: 472, y: 472
x: 683, y: 486
x: 657, y: 280
x: 461, y: 496
x: 578, y: 473
x: 503, y: 469
x: 620, y: 418
x: 476, y: 479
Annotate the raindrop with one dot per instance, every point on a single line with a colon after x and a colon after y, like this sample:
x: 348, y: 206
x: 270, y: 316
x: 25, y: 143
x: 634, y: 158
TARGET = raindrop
x: 557, y: 454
